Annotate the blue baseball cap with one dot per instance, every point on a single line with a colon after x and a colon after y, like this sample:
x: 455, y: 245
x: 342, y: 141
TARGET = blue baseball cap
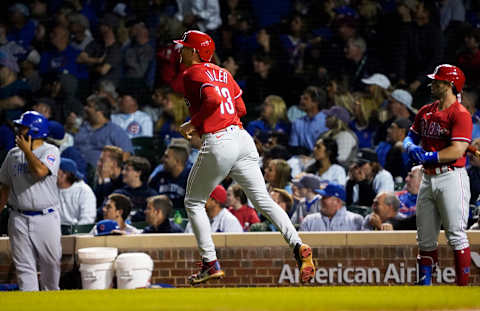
x: 68, y: 165
x: 56, y: 130
x: 106, y: 226
x: 333, y: 190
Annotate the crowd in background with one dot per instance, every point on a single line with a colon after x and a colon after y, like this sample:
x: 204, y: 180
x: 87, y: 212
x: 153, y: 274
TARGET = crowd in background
x: 331, y: 89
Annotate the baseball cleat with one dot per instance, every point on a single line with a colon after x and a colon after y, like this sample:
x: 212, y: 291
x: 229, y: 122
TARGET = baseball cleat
x: 303, y: 254
x: 209, y: 270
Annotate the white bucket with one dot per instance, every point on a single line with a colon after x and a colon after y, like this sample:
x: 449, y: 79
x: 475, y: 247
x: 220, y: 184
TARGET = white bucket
x: 94, y: 255
x: 134, y: 270
x: 96, y: 266
x: 97, y: 276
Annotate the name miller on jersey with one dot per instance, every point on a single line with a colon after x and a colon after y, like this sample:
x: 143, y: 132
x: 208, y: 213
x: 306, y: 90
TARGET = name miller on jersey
x: 221, y: 76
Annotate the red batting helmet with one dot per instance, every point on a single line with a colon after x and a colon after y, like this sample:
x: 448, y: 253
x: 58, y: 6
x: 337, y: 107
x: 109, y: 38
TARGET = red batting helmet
x: 199, y: 41
x: 451, y: 74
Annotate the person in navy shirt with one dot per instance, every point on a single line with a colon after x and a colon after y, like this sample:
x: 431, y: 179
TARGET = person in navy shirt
x: 171, y: 178
x: 135, y: 175
x: 158, y: 209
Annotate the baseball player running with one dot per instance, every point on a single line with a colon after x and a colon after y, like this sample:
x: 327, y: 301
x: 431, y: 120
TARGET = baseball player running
x: 444, y: 129
x: 215, y: 103
x: 28, y: 180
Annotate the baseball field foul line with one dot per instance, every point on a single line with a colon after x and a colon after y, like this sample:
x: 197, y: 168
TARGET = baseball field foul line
x: 261, y: 299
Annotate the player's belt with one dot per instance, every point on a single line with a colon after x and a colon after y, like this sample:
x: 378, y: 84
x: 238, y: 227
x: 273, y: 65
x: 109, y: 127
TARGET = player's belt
x: 36, y: 213
x: 438, y: 170
x: 228, y: 128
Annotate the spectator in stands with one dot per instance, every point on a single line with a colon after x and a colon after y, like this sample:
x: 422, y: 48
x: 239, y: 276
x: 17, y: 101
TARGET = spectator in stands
x: 378, y: 86
x: 159, y: 207
x: 408, y: 196
x: 29, y: 71
x: 237, y: 203
x: 174, y: 113
x: 294, y: 43
x: 104, y: 55
x: 451, y: 12
x: 134, y: 121
x: 117, y: 208
x: 273, y: 117
x: 64, y: 142
x: 347, y: 142
x: 306, y: 130
x: 22, y: 29
x: 77, y: 200
x: 80, y: 29
x: 13, y: 92
x: 170, y: 177
x: 399, y: 106
x: 361, y: 123
x: 221, y: 220
x: 390, y: 153
x: 135, y: 176
x: 326, y: 164
x: 360, y: 64
x: 98, y: 131
x: 108, y: 176
x: 62, y: 58
x: 138, y: 58
x: 263, y: 82
x: 310, y: 201
x: 385, y: 215
x: 469, y: 56
x: 333, y: 215
x: 367, y: 178
x: 278, y: 174
x: 197, y: 14
x: 108, y: 90
x: 284, y: 200
x: 470, y: 101
x: 420, y: 47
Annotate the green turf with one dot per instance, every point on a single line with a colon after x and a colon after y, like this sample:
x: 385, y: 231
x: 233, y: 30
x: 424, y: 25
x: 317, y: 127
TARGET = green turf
x: 261, y: 299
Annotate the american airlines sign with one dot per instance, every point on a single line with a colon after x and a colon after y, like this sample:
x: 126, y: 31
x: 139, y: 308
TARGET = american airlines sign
x: 395, y: 273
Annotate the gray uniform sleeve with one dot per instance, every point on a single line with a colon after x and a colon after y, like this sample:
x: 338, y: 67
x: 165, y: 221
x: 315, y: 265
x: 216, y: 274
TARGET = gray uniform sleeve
x: 50, y: 157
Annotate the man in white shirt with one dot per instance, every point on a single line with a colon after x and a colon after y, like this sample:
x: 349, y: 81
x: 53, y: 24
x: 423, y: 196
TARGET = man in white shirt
x: 221, y: 220
x: 77, y: 200
x: 333, y: 214
x: 136, y: 122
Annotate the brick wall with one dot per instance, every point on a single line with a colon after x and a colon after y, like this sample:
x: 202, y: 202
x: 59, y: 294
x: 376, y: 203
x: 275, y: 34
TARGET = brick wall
x: 263, y: 259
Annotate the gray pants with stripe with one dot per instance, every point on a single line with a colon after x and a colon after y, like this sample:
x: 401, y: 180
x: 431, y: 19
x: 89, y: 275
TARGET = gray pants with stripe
x: 231, y: 152
x: 36, y: 240
x: 443, y: 200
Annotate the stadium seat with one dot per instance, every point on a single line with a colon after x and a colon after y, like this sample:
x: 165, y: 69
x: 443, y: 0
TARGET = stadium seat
x: 151, y: 148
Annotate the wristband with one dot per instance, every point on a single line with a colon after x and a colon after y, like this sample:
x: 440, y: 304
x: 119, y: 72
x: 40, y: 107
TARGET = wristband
x: 431, y: 157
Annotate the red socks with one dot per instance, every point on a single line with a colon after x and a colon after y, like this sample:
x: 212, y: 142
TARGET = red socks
x: 462, y: 266
x: 428, y: 258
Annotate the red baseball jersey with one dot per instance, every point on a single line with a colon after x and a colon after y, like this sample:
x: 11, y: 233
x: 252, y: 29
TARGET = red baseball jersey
x: 438, y: 128
x: 213, y: 98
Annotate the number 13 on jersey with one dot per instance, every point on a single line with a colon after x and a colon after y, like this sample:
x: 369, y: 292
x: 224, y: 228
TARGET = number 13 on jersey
x: 228, y: 105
